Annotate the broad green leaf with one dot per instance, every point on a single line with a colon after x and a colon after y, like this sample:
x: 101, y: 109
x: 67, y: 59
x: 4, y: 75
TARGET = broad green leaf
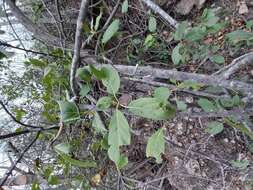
x: 238, y: 36
x: 207, y: 105
x: 181, y: 30
x: 119, y: 132
x: 240, y: 164
x: 63, y: 148
x: 97, y: 124
x: 84, y: 74
x: 69, y: 111
x: 124, y: 7
x: 84, y: 90
x: 230, y: 102
x: 78, y: 163
x: 104, y: 103
x: 98, y: 19
x: 2, y: 55
x: 214, y: 128
x: 151, y: 108
x: 36, y: 63
x: 149, y: 41
x: 112, y: 79
x: 195, y: 34
x: 181, y: 105
x: 99, y: 74
x: 209, y: 18
x: 152, y: 24
x: 114, y: 155
x: 111, y: 31
x: 47, y: 70
x: 177, y: 56
x: 217, y: 59
x: 162, y: 94
x: 156, y: 145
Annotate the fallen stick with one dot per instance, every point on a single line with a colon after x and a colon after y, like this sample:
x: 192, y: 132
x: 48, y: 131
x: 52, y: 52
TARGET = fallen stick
x: 161, y: 12
x: 145, y: 71
x: 235, y: 65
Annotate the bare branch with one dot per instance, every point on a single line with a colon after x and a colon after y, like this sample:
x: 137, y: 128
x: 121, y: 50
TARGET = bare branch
x: 236, y: 64
x: 17, y: 121
x: 7, y: 174
x: 161, y: 12
x: 156, y: 73
x: 78, y: 45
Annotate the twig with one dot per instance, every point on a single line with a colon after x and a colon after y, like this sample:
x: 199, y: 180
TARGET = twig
x: 78, y: 45
x: 28, y: 50
x: 14, y: 31
x: 235, y: 65
x: 60, y: 18
x: 108, y: 21
x: 17, y: 121
x: 14, y: 134
x: 161, y: 12
x: 7, y: 174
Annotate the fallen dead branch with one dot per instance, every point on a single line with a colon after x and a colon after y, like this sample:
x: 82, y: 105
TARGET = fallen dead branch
x: 156, y: 73
x: 236, y: 64
x: 161, y: 12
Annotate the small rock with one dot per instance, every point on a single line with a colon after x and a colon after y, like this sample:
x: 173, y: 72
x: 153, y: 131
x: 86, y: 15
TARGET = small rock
x: 243, y: 8
x: 184, y: 7
x: 180, y: 129
x: 189, y: 99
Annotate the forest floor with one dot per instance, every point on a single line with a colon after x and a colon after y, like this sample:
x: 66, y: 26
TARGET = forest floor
x: 193, y: 159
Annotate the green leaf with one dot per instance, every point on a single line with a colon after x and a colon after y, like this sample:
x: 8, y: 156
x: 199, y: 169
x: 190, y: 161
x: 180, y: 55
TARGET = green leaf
x: 208, y: 17
x: 217, y: 59
x: 99, y: 74
x: 63, y: 148
x: 112, y: 79
x: 19, y: 113
x: 152, y: 24
x: 69, y: 111
x: 78, y: 163
x: 124, y: 7
x: 240, y: 164
x: 238, y: 36
x: 181, y: 105
x: 111, y: 31
x: 151, y: 108
x: 195, y: 34
x: 177, y: 56
x: 214, y: 128
x: 207, y: 105
x: 2, y: 55
x: 162, y: 94
x: 84, y: 74
x: 149, y: 41
x: 156, y: 145
x: 181, y: 30
x: 85, y: 89
x: 98, y: 19
x: 104, y: 103
x: 97, y: 124
x: 36, y: 63
x: 35, y: 185
x: 119, y: 132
